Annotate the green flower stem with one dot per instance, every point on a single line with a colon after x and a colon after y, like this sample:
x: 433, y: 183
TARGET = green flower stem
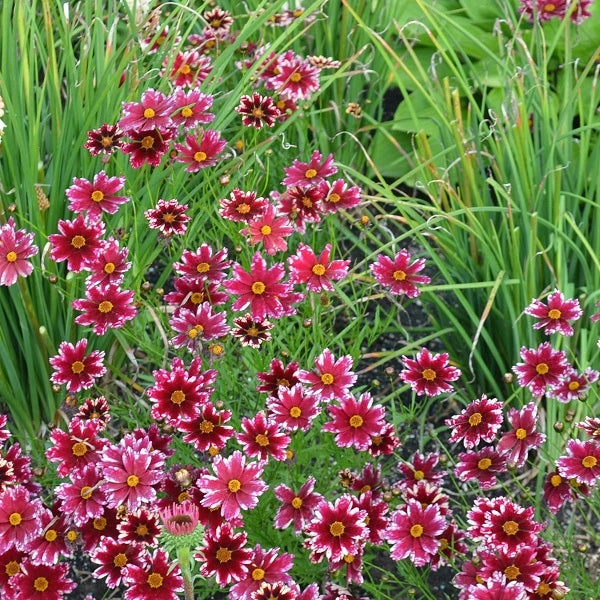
x: 184, y: 559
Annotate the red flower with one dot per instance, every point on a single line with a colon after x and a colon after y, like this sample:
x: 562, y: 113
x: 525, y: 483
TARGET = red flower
x: 139, y: 527
x: 83, y: 499
x: 556, y: 314
x: 274, y: 591
x: 19, y: 518
x: 293, y: 408
x: 399, y: 275
x: 582, y: 462
x: 413, y: 532
x: 96, y: 197
x: 73, y: 368
x: 280, y: 375
x: 168, y: 216
x: 270, y: 230
x: 427, y: 494
x: 153, y: 112
x: 521, y: 566
x: 10, y: 565
x: 573, y: 386
x: 147, y: 146
x: 311, y: 173
x: 355, y: 421
x: 78, y: 243
x: 218, y: 20
x: 301, y: 205
x: 497, y: 588
x: 257, y: 111
x: 189, y: 293
x: 429, y: 374
x: 316, y: 272
x: 542, y: 367
x: 106, y: 139
x: 376, y: 515
x: 252, y: 332
x: 235, y: 485
x: 203, y: 265
x: 157, y: 579
x: 420, y: 468
x: 515, y: 444
x: 591, y: 425
x: 263, y: 438
x: 224, y: 556
x: 543, y: 10
x: 482, y: 465
x: 338, y: 196
x: 16, y: 246
x: 190, y: 108
x: 296, y: 79
x: 108, y: 264
x: 189, y: 69
x: 557, y: 491
x: 297, y: 507
x: 198, y: 325
x: 242, y: 206
x: 206, y: 430
x: 201, y: 153
x: 333, y: 379
x: 42, y: 582
x: 114, y: 556
x: 480, y: 420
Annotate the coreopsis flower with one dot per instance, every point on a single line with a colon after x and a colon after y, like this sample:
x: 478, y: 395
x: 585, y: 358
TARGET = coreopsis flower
x: 286, y: 107
x: 78, y: 243
x: 573, y: 386
x: 179, y: 394
x: 114, y: 556
x: 132, y: 470
x: 108, y: 265
x: 96, y: 197
x: 354, y: 421
x: 218, y: 20
x: 234, y: 487
x: 191, y: 108
x: 157, y: 578
x: 193, y: 327
x: 581, y: 11
x: 20, y: 518
x: 311, y: 173
x: 191, y: 292
x: 280, y: 375
x: 263, y: 438
x: 497, y: 588
x: 207, y: 428
x: 293, y: 408
x: 10, y: 565
x: 480, y: 420
x: 337, y: 529
x: 4, y: 432
x: 74, y: 369
x: 224, y: 555
x: 189, y: 69
x: 152, y: 112
x: 413, y: 532
x: 376, y: 520
x: 591, y: 426
x: 521, y: 566
x: 82, y: 499
x: 147, y: 146
x: 42, y: 582
x: 104, y: 140
x: 203, y: 264
x: 399, y: 275
x: 16, y: 469
x: 297, y: 507
x: 93, y: 530
x: 421, y: 467
x: 451, y: 545
x: 16, y: 246
x: 257, y: 111
x: 323, y: 62
x: 557, y: 491
x: 385, y: 442
x: 549, y: 586
x: 252, y: 332
x: 339, y: 196
x: 168, y: 216
x: 200, y: 153
x: 515, y: 444
x: 543, y: 10
x: 269, y: 229
x: 353, y: 565
x: 301, y: 205
x: 316, y: 272
x: 105, y: 307
x: 242, y: 206
x: 429, y: 374
x: 368, y: 480
x: 426, y: 494
x: 542, y: 367
x: 296, y: 80
x: 331, y: 378
x: 582, y: 462
x: 274, y: 591
x: 260, y: 289
x: 482, y: 466
x: 555, y: 316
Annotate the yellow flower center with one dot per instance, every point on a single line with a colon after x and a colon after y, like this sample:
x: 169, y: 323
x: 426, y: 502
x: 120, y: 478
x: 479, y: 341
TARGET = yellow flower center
x: 554, y: 313
x: 265, y: 230
x: 543, y: 589
x: 155, y: 580
x: 262, y: 440
x: 510, y: 527
x: 550, y: 7
x: 77, y: 367
x: 12, y: 568
x: 318, y: 269
x: 556, y: 480
x: 234, y: 486
x: 334, y: 198
x: 168, y: 218
x: 99, y: 525
x: 542, y: 368
x: 419, y: 475
x: 428, y: 374
x: 475, y: 419
x: 213, y: 451
x: 203, y: 267
x: 296, y: 77
x: 107, y: 141
x: 79, y: 449
x: 133, y: 480
x: 147, y: 142
x: 521, y: 433
x: 512, y: 572
x: 11, y: 256
x: 297, y: 502
x: 310, y: 173
x: 177, y: 397
x: 185, y: 69
x: 574, y: 385
x: 206, y: 426
x: 444, y: 544
x: 399, y: 275
x: 200, y: 156
x: 243, y: 208
x: 356, y: 421
x: 78, y: 241
x: 50, y: 535
x: 109, y: 268
x: 484, y: 463
x: 257, y: 113
x: 41, y: 584
x: 327, y: 378
x: 258, y: 287
x: 86, y: 492
x: 306, y: 201
x: 97, y: 196
x: 197, y: 297
x: 120, y: 560
x: 105, y: 306
x: 215, y: 23
x: 193, y: 333
x: 295, y: 412
x: 348, y: 558
x: 416, y: 530
x: 223, y: 555
x: 258, y: 574
x: 337, y: 528
x: 149, y: 113
x: 252, y: 331
x: 15, y: 519
x: 187, y: 112
x: 589, y: 462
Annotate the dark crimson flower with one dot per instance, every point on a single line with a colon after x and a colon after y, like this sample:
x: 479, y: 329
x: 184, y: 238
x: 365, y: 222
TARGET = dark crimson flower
x: 557, y: 491
x: 16, y: 469
x: 293, y: 408
x: 114, y: 556
x: 190, y: 293
x: 399, y: 274
x: 153, y: 112
x: 421, y: 467
x: 16, y: 246
x: 83, y: 499
x: 555, y: 315
x: 297, y: 507
x: 224, y: 556
x: 543, y: 10
x: 158, y: 441
x: 413, y: 532
x: 139, y: 527
x: 235, y: 485
x: 301, y: 205
x: 549, y: 587
x: 78, y: 243
x: 270, y: 230
x: 218, y: 19
x: 478, y: 515
x: 353, y: 564
x: 590, y: 425
x: 515, y: 444
x: 188, y: 69
x: 429, y: 374
x: 316, y: 272
x: 42, y: 582
x: 263, y: 438
x: 339, y: 196
x: 368, y: 480
x: 482, y: 465
x: 200, y: 153
x: 337, y: 529
x: 385, y: 442
x: 426, y: 494
x: 542, y: 367
x: 257, y: 111
x: 286, y: 107
x: 104, y: 140
x: 296, y: 79
x: 191, y: 108
x: 147, y: 146
x: 10, y: 565
x: 520, y: 566
x: 94, y: 409
x: 480, y: 420
x: 157, y: 579
x: 242, y: 206
x: 376, y: 515
x: 168, y: 216
x: 497, y: 588
x: 193, y: 327
x: 108, y: 264
x: 92, y: 532
x: 252, y: 332
x: 355, y: 421
x: 332, y: 379
x: 274, y: 591
x: 573, y: 386
x: 279, y: 375
x: 73, y: 368
x: 206, y: 429
x: 203, y: 264
x: 582, y: 462
x: 450, y: 545
x: 19, y: 518
x: 311, y: 173
x: 96, y: 197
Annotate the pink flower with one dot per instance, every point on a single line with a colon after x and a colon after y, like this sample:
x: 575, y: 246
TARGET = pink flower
x: 542, y: 367
x: 108, y: 265
x: 168, y: 216
x: 311, y: 173
x: 191, y: 292
x: 543, y: 10
x: 497, y: 588
x: 413, y: 532
x: 279, y: 376
x: 200, y: 153
x: 207, y: 429
x: 332, y: 379
x: 257, y: 111
x: 521, y: 566
x: 590, y: 425
x: 301, y: 205
x: 482, y: 465
x: 235, y: 485
x: 50, y: 544
x: 16, y: 246
x: 296, y: 80
x: 203, y: 264
x: 19, y: 518
x: 573, y: 386
x: 429, y: 374
x: 263, y: 438
x: 189, y: 68
x: 582, y: 462
x: 82, y: 500
x: 421, y: 467
x: 180, y: 519
x: 293, y: 408
x: 73, y: 368
x: 399, y: 275
x: 157, y: 578
x: 515, y: 444
x: 478, y: 421
x: 269, y: 229
x: 555, y: 315
x: 297, y: 507
x: 78, y: 243
x: 96, y: 197
x: 242, y: 206
x: 195, y: 326
x: 338, y: 196
x: 316, y: 272
x: 557, y: 491
x: 152, y: 112
x: 191, y: 108
x: 42, y: 582
x: 147, y: 146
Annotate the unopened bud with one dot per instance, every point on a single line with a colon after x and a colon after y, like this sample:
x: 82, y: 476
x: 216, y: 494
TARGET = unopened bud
x: 508, y: 378
x: 307, y: 323
x: 389, y: 371
x: 559, y: 426
x: 224, y: 179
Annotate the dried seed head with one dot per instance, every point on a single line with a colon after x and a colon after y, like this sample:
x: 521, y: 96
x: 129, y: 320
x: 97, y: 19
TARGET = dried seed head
x: 42, y: 200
